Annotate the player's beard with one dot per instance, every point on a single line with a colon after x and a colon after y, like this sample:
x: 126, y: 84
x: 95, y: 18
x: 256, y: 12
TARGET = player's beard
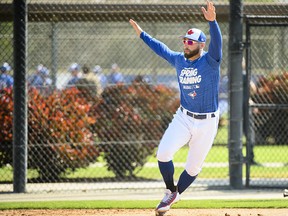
x: 192, y: 53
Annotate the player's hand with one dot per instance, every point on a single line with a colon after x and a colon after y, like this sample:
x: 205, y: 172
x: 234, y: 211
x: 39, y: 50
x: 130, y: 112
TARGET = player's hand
x: 210, y: 13
x: 136, y: 27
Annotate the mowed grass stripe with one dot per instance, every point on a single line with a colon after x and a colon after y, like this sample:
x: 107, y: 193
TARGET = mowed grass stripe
x: 142, y: 204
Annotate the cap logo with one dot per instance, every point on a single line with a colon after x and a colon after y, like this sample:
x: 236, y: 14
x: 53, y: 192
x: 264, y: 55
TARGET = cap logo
x: 190, y: 31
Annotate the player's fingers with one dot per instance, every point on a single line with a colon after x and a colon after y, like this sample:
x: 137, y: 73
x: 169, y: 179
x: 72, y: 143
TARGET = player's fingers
x: 131, y: 21
x: 136, y: 27
x: 203, y: 10
x: 210, y: 6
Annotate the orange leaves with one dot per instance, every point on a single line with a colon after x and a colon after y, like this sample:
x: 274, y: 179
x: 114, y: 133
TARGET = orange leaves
x: 6, y: 115
x: 61, y: 119
x: 137, y: 110
x: 272, y: 89
x: 64, y: 126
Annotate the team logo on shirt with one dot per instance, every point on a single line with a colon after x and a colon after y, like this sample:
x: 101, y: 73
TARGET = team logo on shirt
x: 192, y: 94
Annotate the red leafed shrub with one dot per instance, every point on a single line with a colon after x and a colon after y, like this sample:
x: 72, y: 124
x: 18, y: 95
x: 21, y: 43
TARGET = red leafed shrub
x: 59, y: 134
x: 131, y: 120
x: 127, y: 120
x: 63, y: 137
x: 6, y: 119
x: 272, y: 123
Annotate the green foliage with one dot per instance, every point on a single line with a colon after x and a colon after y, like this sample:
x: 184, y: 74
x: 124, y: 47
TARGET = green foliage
x: 133, y: 119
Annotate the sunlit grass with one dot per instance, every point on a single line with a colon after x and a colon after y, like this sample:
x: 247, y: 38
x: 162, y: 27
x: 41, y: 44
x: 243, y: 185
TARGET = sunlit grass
x: 6, y: 173
x: 218, y: 155
x: 146, y: 204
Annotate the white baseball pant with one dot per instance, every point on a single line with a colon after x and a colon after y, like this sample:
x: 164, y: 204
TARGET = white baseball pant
x: 199, y: 134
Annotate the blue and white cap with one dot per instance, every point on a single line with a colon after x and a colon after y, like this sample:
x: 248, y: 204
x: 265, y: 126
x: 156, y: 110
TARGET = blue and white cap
x: 74, y: 67
x: 5, y: 67
x: 97, y: 69
x: 43, y: 70
x: 40, y: 67
x: 195, y: 34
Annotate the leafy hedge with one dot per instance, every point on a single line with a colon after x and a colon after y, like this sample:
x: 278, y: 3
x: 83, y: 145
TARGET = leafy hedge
x: 66, y: 127
x: 58, y: 132
x: 63, y: 134
x: 6, y: 120
x: 271, y: 125
x: 131, y: 119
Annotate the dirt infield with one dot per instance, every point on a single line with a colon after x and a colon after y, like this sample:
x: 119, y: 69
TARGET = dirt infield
x: 148, y: 212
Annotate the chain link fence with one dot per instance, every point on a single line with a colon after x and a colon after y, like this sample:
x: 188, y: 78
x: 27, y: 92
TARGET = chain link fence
x: 267, y: 103
x: 99, y: 100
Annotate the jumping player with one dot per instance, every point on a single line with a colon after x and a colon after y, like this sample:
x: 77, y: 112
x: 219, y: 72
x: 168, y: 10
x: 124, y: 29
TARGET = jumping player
x: 196, y: 121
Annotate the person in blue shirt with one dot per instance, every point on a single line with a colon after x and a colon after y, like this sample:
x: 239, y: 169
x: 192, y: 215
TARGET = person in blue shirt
x: 102, y: 78
x: 74, y: 69
x: 40, y: 78
x: 6, y: 80
x: 115, y: 76
x: 195, y: 123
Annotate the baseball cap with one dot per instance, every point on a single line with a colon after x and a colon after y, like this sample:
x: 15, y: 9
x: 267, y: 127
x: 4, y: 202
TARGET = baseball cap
x: 97, y: 69
x: 5, y: 67
x: 114, y: 66
x: 195, y: 34
x: 74, y: 67
x: 43, y: 70
x: 40, y: 67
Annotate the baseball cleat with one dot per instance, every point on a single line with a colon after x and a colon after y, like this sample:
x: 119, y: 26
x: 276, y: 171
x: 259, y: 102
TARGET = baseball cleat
x: 169, y: 199
x: 285, y: 193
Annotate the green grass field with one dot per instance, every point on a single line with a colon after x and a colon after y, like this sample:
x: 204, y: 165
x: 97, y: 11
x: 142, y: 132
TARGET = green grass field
x: 218, y: 154
x: 273, y: 159
x: 130, y: 204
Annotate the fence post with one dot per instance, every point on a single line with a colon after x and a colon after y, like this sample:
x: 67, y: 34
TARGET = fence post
x: 235, y: 94
x: 20, y: 98
x: 54, y: 54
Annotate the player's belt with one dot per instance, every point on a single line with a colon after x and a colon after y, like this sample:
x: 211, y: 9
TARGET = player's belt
x: 197, y: 116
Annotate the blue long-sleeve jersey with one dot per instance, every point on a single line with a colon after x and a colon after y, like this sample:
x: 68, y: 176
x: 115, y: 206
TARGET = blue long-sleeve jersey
x: 199, y: 79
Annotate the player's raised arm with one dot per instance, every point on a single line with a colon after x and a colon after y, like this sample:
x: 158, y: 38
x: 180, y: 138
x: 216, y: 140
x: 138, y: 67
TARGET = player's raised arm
x: 157, y: 46
x: 215, y: 46
x: 136, y: 27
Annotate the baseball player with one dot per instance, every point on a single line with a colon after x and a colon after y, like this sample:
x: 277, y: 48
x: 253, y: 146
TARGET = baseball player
x: 195, y: 123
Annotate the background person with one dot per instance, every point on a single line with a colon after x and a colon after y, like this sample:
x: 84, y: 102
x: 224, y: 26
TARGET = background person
x: 6, y: 81
x: 40, y: 78
x: 115, y: 76
x: 90, y: 81
x: 74, y: 70
x: 102, y: 78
